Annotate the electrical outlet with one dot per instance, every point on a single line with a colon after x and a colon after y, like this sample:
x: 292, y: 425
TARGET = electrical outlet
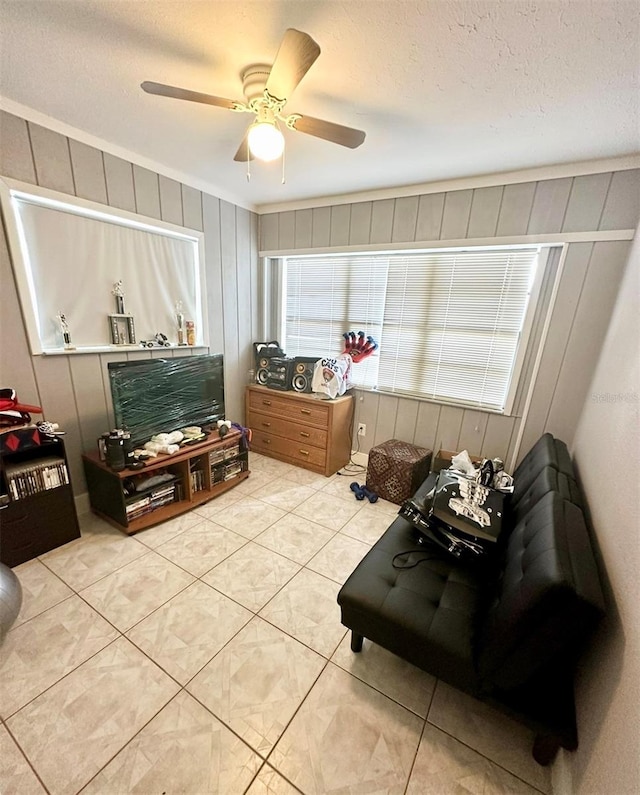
x: 362, y: 429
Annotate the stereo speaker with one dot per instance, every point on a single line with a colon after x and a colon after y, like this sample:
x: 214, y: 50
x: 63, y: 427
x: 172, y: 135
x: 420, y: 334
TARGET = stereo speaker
x: 263, y: 353
x: 278, y: 373
x: 302, y: 377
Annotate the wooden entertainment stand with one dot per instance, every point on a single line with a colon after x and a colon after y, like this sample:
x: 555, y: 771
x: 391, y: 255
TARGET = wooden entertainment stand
x: 199, y: 473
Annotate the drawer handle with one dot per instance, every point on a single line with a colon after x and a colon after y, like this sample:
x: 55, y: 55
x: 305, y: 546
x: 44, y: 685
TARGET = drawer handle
x: 305, y: 411
x: 266, y: 402
x: 266, y: 424
x: 304, y: 434
x: 304, y: 452
x: 266, y: 441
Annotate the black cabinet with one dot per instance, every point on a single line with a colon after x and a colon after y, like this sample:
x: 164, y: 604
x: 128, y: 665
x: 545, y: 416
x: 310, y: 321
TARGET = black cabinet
x: 37, y: 509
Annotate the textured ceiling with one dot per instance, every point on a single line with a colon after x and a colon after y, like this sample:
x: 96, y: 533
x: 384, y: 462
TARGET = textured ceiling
x: 443, y: 89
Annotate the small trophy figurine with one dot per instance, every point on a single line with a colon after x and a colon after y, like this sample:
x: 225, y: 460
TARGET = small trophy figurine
x: 180, y: 322
x: 119, y: 295
x: 64, y: 328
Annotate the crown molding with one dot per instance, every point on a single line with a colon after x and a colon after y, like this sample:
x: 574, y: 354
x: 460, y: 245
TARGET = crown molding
x: 36, y: 117
x: 558, y: 171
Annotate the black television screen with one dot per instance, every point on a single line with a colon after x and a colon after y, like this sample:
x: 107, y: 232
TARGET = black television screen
x: 162, y: 395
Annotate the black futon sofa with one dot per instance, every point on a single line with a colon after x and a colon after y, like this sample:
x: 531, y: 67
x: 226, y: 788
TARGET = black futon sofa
x: 508, y: 631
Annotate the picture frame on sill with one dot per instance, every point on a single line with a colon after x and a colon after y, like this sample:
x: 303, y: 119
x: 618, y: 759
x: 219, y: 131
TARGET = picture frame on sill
x: 122, y: 329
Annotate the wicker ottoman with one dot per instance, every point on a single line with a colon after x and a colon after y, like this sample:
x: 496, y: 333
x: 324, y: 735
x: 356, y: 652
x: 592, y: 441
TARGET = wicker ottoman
x: 396, y: 469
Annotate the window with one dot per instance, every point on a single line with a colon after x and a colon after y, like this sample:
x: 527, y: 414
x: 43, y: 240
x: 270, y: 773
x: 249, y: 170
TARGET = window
x: 451, y: 324
x: 68, y: 255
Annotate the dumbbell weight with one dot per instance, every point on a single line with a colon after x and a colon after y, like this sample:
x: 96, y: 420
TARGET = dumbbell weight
x: 362, y: 491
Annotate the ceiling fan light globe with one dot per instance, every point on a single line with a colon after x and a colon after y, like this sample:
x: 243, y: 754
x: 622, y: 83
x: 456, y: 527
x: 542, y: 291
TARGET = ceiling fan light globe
x: 266, y: 142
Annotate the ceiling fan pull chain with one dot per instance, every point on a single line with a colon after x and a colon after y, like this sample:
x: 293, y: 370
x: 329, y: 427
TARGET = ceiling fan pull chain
x: 283, y: 155
x: 248, y: 167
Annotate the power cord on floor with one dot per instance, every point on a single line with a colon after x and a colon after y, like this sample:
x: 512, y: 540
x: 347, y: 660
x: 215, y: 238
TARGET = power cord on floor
x: 352, y: 468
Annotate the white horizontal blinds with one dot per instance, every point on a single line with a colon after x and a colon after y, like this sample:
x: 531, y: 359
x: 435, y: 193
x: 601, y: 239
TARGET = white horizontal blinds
x: 452, y: 324
x: 328, y: 296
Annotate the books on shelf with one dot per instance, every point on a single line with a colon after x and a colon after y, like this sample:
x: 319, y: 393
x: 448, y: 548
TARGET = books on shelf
x: 150, y: 500
x: 32, y: 477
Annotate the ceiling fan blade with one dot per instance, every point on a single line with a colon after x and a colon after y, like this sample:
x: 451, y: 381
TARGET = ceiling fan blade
x: 244, y: 153
x: 294, y: 58
x: 337, y: 133
x: 183, y: 93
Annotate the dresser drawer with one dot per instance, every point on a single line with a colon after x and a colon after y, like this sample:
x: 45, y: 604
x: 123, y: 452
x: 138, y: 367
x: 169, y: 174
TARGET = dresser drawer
x: 297, y: 451
x: 292, y: 409
x: 305, y: 434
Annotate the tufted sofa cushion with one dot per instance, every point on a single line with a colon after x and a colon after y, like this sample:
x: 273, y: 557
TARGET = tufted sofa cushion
x: 423, y: 613
x: 547, y: 598
x: 548, y: 479
x: 547, y: 451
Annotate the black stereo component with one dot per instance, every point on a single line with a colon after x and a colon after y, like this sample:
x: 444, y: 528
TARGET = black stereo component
x: 302, y: 377
x: 263, y: 353
x: 278, y: 373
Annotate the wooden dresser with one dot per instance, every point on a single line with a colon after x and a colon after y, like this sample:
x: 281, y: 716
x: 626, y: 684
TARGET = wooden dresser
x: 300, y: 429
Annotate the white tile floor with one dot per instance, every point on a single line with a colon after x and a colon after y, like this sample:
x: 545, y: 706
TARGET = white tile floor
x: 206, y: 655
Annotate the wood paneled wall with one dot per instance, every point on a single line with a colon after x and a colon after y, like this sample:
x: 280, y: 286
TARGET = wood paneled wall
x: 74, y: 389
x: 585, y: 298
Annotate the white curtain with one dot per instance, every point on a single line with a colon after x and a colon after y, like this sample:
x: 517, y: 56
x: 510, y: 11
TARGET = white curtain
x: 75, y: 261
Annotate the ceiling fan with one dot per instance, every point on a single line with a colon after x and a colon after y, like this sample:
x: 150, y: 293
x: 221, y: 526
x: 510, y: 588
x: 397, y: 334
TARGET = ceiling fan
x: 267, y: 90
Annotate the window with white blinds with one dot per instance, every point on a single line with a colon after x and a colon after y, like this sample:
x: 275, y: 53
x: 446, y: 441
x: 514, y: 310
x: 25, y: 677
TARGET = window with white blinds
x: 449, y: 322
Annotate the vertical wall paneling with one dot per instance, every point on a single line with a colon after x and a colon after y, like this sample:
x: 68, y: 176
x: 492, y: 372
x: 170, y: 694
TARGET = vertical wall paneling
x: 256, y: 283
x: 426, y: 433
x: 340, y: 222
x: 515, y: 210
x: 455, y: 219
x: 497, y: 437
x: 404, y: 219
x: 171, y: 201
x: 387, y: 409
x: 147, y: 191
x: 485, y: 207
x: 91, y: 404
x: 287, y: 230
x: 234, y: 377
x: 16, y: 157
x: 472, y: 431
x: 622, y: 207
x: 16, y: 365
x: 430, y: 212
x: 88, y: 172
x: 52, y: 160
x: 244, y: 309
x: 269, y: 232
x: 449, y: 427
x: 360, y: 228
x: 406, y: 418
x: 515, y: 453
x: 549, y: 206
x: 304, y: 225
x: 586, y: 202
x: 567, y: 299
x: 600, y: 290
x: 59, y: 405
x: 381, y: 220
x: 211, y: 223
x: 321, y: 227
x: 192, y: 207
x: 367, y: 412
x: 119, y: 176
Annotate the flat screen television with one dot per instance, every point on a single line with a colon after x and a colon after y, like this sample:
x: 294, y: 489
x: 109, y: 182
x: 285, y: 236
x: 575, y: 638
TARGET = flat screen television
x: 162, y: 395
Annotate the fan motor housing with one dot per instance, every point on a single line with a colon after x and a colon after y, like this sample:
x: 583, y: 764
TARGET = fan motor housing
x: 254, y: 80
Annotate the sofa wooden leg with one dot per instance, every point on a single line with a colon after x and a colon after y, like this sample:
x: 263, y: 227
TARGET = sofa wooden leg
x: 545, y: 748
x: 356, y: 642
